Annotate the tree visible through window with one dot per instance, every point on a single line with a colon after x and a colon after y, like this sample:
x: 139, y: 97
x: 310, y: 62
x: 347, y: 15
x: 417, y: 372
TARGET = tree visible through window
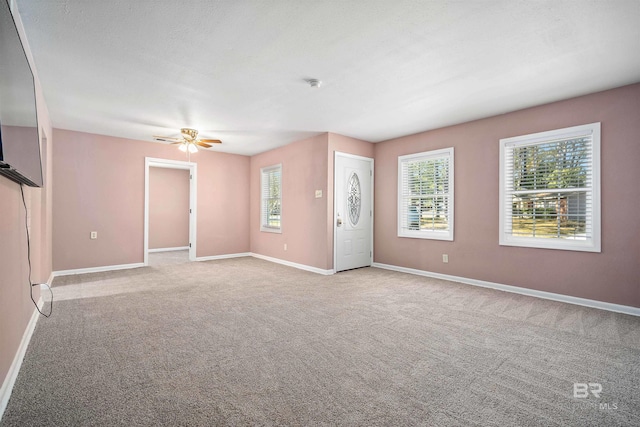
x: 549, y: 189
x: 425, y: 195
x: 271, y: 199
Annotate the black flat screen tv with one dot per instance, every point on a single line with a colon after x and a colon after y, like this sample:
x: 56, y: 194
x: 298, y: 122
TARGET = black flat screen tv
x: 19, y: 141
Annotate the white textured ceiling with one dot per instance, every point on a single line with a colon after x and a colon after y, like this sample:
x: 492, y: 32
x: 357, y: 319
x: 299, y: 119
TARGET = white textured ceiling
x: 236, y: 70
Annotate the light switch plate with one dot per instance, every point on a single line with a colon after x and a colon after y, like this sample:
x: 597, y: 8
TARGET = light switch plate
x: 94, y: 235
x: 318, y: 194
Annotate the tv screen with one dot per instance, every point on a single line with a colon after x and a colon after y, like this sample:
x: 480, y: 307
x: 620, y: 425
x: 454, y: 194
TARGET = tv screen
x: 19, y: 141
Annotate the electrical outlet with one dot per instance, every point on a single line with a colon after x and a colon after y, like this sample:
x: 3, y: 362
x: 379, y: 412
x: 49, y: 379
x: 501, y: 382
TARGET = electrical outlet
x: 445, y: 258
x: 94, y: 235
x: 285, y: 246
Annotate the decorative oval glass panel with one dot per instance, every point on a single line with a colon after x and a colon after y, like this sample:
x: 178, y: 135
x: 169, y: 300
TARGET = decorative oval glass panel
x: 353, y: 199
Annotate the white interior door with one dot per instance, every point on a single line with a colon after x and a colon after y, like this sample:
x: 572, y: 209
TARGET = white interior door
x: 353, y: 220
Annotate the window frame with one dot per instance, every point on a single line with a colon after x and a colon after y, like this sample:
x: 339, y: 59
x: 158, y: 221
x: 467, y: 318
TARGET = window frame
x: 589, y: 245
x: 447, y: 235
x: 264, y: 173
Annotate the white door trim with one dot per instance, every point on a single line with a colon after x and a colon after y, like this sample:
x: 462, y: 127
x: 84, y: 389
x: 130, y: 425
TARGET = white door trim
x: 335, y: 219
x: 193, y: 199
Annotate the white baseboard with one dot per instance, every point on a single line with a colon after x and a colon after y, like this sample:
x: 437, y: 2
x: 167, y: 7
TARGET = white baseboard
x: 634, y: 311
x: 294, y: 264
x: 225, y: 256
x: 270, y: 259
x: 97, y: 269
x: 14, y: 369
x: 181, y: 248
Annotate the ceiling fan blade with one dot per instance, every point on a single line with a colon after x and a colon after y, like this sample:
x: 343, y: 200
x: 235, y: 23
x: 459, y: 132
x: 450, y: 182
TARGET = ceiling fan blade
x: 177, y: 142
x: 166, y: 138
x: 202, y: 144
x: 211, y: 141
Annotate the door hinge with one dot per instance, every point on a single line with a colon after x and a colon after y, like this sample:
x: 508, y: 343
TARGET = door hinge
x: 189, y: 244
x: 190, y: 176
x: 189, y: 210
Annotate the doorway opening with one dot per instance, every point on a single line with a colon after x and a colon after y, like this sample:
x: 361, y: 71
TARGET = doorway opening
x: 170, y: 254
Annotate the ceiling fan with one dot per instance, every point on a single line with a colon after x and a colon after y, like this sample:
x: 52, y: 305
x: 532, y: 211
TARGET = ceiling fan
x: 188, y: 140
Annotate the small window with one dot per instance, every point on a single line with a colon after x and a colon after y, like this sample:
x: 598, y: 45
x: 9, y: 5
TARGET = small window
x: 550, y: 189
x: 425, y: 195
x: 271, y: 199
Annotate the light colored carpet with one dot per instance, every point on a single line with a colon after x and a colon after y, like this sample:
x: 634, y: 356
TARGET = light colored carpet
x: 247, y: 342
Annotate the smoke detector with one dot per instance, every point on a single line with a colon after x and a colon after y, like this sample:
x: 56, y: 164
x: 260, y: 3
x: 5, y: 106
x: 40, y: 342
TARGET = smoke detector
x: 314, y: 82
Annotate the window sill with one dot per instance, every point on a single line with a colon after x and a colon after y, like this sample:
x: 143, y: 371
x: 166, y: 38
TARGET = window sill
x: 271, y: 230
x: 433, y: 235
x: 565, y: 245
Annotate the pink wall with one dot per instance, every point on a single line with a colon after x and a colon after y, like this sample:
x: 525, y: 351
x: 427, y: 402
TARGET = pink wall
x: 304, y: 168
x: 16, y: 308
x: 307, y: 221
x: 99, y: 186
x: 168, y: 208
x: 611, y: 276
x: 36, y: 199
x: 223, y: 204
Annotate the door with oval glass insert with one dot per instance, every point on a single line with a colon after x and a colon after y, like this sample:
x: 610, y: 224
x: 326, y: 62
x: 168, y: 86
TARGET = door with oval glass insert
x: 353, y: 182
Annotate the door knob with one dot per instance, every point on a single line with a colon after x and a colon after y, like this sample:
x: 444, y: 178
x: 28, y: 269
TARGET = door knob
x: 339, y: 222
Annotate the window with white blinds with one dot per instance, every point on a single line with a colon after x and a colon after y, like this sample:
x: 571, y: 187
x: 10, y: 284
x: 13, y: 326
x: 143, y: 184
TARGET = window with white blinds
x: 271, y: 199
x: 425, y: 195
x: 550, y: 189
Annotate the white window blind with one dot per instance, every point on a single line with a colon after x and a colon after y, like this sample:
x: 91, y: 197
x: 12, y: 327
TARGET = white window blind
x: 549, y: 192
x: 271, y: 199
x: 425, y: 195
